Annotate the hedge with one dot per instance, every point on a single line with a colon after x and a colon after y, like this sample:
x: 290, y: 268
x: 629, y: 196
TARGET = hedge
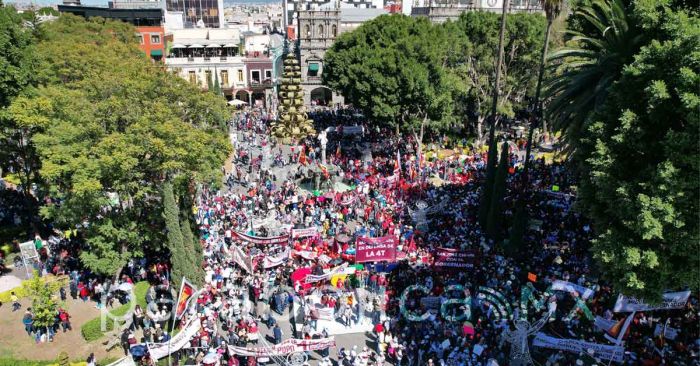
x: 92, y: 329
x: 19, y: 291
x: 14, y: 362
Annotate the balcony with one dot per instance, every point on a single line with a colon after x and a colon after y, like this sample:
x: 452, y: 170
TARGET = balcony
x: 211, y: 60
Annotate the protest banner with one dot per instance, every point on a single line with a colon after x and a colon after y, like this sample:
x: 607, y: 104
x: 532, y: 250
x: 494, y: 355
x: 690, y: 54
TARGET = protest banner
x: 667, y: 332
x: 569, y: 287
x: 326, y: 276
x: 179, y: 340
x: 671, y: 300
x: 375, y: 249
x: 304, y: 233
x: 186, y: 292
x: 601, y: 351
x: 282, y: 239
x: 241, y: 258
x: 348, y: 201
x: 276, y: 260
x: 446, y: 258
x: 285, y: 348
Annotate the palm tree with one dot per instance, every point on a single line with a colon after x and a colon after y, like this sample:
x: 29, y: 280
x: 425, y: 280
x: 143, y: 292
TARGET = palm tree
x: 492, y: 157
x: 607, y: 40
x: 552, y: 8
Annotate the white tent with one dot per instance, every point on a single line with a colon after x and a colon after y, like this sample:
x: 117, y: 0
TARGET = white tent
x: 236, y: 102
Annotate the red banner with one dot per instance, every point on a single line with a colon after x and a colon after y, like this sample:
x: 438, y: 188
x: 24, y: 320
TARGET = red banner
x: 447, y: 259
x: 376, y: 249
x: 186, y: 291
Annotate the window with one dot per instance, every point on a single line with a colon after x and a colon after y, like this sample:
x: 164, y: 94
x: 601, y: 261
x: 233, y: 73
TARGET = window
x: 320, y: 31
x: 139, y: 38
x: 155, y: 38
x: 268, y: 74
x: 207, y: 77
x: 255, y: 75
x: 224, y: 78
x: 313, y: 69
x: 240, y: 75
x: 307, y: 31
x: 334, y: 29
x: 192, y: 77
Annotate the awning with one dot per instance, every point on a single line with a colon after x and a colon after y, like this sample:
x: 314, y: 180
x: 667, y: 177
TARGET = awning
x: 178, y: 45
x: 313, y: 66
x: 156, y: 52
x: 213, y: 46
x: 230, y: 45
x: 195, y: 46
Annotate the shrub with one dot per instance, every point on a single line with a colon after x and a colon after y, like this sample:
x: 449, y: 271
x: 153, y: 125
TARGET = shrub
x: 20, y: 291
x: 92, y: 329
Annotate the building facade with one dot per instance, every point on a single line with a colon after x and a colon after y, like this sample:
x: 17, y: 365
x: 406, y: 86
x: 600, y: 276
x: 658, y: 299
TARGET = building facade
x: 199, y: 13
x: 439, y: 11
x: 148, y: 22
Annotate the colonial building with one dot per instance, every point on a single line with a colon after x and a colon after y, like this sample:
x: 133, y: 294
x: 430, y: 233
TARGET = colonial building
x: 439, y: 11
x: 318, y: 29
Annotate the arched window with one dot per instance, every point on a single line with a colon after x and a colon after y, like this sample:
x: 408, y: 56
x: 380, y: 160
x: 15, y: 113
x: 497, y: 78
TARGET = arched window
x: 334, y: 30
x: 307, y: 31
x: 320, y: 30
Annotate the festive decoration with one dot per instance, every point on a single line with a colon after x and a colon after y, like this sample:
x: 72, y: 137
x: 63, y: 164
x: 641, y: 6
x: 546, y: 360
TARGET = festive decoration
x: 293, y: 121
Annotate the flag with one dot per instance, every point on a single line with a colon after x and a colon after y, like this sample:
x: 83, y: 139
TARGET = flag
x: 186, y: 292
x: 531, y: 277
x: 324, y: 170
x: 617, y: 332
x: 338, y: 152
x: 397, y: 166
x: 302, y: 155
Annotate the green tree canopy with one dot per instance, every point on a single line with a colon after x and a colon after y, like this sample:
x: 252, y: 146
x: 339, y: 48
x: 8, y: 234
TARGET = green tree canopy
x: 110, y: 127
x: 638, y: 157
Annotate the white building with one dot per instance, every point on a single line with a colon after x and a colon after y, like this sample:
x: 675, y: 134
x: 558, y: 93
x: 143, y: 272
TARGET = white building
x: 200, y: 55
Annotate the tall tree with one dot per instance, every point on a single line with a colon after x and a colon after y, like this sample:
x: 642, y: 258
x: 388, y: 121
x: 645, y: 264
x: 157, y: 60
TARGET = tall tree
x: 638, y: 153
x: 605, y: 39
x: 494, y: 226
x: 44, y: 300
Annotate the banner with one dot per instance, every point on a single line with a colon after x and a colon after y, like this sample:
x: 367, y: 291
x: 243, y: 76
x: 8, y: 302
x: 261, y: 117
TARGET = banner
x: 179, y: 340
x: 569, y: 287
x: 446, y: 258
x: 601, y: 351
x: 671, y: 300
x: 304, y: 233
x: 284, y: 348
x: 323, y: 314
x: 274, y: 261
x: 186, y: 291
x: 282, y: 239
x: 348, y: 201
x: 375, y: 249
x: 326, y: 276
x: 241, y: 258
x: 668, y: 332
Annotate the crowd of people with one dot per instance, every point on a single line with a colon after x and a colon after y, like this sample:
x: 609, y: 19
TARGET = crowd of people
x: 380, y: 196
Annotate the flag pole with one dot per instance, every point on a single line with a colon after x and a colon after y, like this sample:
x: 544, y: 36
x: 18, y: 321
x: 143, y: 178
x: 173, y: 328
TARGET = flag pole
x: 174, y: 319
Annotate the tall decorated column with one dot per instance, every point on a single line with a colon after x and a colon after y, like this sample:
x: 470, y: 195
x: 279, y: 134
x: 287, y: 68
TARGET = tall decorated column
x: 293, y: 121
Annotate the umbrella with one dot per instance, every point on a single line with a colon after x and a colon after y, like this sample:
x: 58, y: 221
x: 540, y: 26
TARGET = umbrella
x: 300, y: 274
x: 317, y: 193
x: 359, y: 267
x: 342, y: 238
x: 236, y: 102
x: 126, y: 287
x: 138, y: 351
x: 210, y: 358
x: 468, y: 328
x: 309, y: 202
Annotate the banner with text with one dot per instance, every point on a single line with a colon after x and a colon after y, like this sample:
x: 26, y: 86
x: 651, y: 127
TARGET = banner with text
x: 446, y: 259
x: 376, y: 249
x: 569, y: 287
x: 241, y: 258
x: 326, y: 276
x: 179, y: 340
x: 602, y: 351
x: 671, y: 300
x: 304, y: 233
x: 276, y: 260
x: 285, y: 348
x: 282, y: 239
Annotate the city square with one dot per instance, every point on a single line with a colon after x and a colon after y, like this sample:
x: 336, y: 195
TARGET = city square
x: 352, y: 183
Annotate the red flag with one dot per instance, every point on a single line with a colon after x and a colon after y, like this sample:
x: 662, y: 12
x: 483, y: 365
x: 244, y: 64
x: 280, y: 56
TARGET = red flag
x: 338, y: 152
x: 302, y: 156
x: 186, y: 292
x: 531, y: 277
x: 324, y: 170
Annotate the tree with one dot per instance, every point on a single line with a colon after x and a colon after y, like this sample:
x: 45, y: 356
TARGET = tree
x: 487, y: 195
x: 44, y: 302
x: 607, y: 38
x: 112, y: 128
x: 495, y: 220
x: 391, y: 69
x: 638, y: 157
x: 181, y: 264
x: 63, y: 359
x: 217, y: 86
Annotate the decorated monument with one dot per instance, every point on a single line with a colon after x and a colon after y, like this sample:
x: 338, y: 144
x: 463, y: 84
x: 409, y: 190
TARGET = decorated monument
x: 293, y: 122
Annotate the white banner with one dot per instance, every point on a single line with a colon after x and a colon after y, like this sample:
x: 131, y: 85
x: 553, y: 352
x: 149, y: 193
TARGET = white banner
x: 668, y: 332
x: 569, y: 287
x: 304, y: 233
x: 326, y: 276
x: 323, y: 313
x: 285, y: 348
x: 241, y: 258
x: 181, y: 339
x: 601, y: 351
x: 274, y: 261
x: 671, y: 300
